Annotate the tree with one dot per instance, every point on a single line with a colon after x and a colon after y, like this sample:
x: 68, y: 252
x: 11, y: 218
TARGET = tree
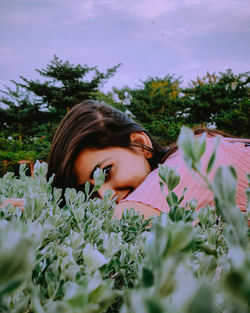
x: 35, y: 106
x: 21, y: 115
x: 222, y: 100
x: 66, y: 84
x: 31, y: 111
x: 157, y: 105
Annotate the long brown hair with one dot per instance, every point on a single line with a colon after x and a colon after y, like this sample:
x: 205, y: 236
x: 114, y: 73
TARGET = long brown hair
x: 92, y: 124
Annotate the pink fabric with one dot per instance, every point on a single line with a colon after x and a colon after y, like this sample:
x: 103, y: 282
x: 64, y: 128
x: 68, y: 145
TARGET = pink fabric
x: 230, y: 152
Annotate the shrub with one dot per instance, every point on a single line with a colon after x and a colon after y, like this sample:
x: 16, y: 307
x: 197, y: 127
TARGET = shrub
x: 12, y: 151
x: 79, y: 259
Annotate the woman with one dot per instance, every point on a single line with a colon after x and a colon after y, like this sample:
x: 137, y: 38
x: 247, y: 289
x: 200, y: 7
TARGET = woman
x: 94, y: 135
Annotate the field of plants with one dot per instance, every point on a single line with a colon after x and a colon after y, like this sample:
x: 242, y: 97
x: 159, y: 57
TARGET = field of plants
x: 77, y: 258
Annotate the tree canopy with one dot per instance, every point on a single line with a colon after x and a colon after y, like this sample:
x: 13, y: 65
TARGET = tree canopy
x: 158, y: 106
x: 222, y: 100
x: 46, y: 101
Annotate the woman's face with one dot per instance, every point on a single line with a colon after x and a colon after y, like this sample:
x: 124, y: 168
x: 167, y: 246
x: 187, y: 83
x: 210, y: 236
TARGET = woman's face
x: 125, y: 168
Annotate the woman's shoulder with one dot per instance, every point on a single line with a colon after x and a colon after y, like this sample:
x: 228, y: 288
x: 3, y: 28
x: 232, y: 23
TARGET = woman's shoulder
x: 231, y: 151
x: 139, y: 207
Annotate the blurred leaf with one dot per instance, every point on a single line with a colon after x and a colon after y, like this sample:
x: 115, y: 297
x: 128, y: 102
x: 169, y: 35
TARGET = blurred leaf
x: 93, y: 258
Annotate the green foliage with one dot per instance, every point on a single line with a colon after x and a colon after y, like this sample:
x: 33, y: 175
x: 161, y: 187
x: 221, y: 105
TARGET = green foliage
x: 66, y: 84
x: 12, y: 151
x: 24, y: 116
x: 157, y: 106
x: 77, y: 258
x: 223, y: 100
x: 32, y: 110
x: 162, y: 105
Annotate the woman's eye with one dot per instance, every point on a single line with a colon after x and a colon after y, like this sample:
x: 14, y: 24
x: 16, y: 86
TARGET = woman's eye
x: 107, y: 170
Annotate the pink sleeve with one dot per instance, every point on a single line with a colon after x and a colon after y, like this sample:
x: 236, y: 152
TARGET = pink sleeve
x: 230, y: 152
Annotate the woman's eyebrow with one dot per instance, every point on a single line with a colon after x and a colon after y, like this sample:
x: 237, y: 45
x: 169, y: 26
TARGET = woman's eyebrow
x: 96, y: 166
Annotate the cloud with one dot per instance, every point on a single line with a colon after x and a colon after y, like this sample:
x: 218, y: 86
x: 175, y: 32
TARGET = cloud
x: 152, y: 9
x: 150, y: 37
x: 82, y: 9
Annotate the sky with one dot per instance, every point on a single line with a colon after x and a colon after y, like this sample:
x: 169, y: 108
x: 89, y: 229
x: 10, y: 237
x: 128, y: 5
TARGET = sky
x: 151, y: 38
